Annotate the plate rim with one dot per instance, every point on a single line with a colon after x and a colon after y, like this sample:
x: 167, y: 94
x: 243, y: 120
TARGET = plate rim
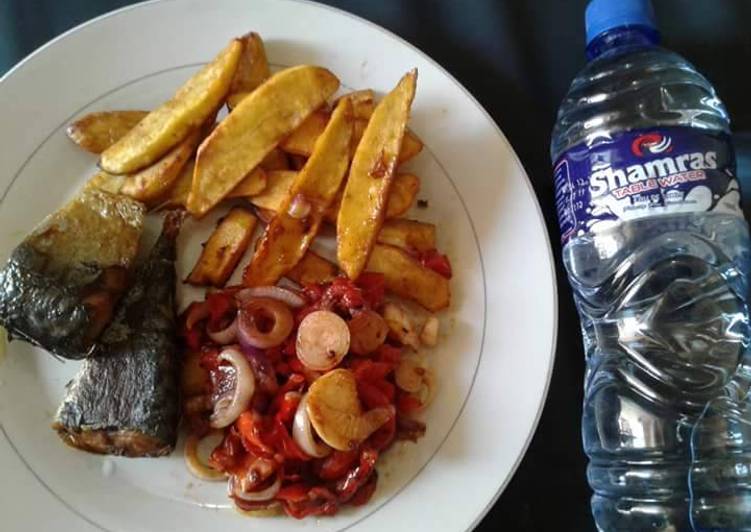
x: 516, y: 161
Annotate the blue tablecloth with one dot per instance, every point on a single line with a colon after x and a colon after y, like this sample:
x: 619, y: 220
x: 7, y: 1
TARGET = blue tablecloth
x: 517, y: 57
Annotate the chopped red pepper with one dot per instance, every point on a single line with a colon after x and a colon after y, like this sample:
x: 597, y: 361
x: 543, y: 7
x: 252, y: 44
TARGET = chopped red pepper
x: 194, y: 339
x: 294, y: 383
x: 367, y: 370
x: 408, y: 403
x: 336, y: 465
x: 342, y: 293
x: 289, y: 348
x: 371, y: 395
x: 279, y: 437
x: 293, y: 492
x: 357, y: 477
x: 209, y: 358
x: 251, y: 427
x: 259, y: 443
x: 195, y: 313
x: 296, y: 366
x: 437, y: 262
x: 300, y: 315
x: 228, y: 454
x: 274, y: 354
x: 264, y: 436
x: 293, y: 472
x: 384, y: 436
x: 386, y: 388
x: 389, y: 354
x: 364, y: 494
x: 318, y: 501
x: 194, y: 336
x: 313, y: 293
x: 220, y: 304
x: 373, y: 287
x: 288, y: 407
x: 409, y: 429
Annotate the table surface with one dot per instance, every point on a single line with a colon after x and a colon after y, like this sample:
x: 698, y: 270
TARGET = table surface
x: 518, y: 58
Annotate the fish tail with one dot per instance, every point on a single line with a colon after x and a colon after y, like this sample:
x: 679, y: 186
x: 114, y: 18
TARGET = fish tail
x: 173, y: 221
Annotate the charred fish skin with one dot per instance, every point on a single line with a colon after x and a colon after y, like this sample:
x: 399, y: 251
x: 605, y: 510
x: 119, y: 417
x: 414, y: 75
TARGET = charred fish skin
x: 60, y: 285
x: 57, y: 319
x: 124, y: 400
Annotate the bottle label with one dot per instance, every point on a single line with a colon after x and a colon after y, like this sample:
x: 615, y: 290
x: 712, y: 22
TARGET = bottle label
x: 644, y: 173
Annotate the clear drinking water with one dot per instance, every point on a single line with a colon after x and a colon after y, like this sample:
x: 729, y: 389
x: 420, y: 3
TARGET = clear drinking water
x: 658, y: 255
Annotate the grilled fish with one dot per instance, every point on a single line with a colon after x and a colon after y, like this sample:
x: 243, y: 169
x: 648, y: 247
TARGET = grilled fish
x: 124, y: 400
x: 61, y: 284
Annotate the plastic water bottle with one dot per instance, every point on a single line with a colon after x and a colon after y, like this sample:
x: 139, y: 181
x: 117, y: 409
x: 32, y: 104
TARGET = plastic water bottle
x: 657, y: 252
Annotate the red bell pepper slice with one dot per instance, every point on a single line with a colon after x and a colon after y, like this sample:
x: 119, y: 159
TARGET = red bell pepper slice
x: 389, y: 354
x: 365, y: 493
x: 371, y: 395
x: 384, y: 436
x: 357, y: 477
x: 336, y: 465
x: 367, y: 370
x: 437, y: 262
x: 373, y: 287
x: 408, y: 403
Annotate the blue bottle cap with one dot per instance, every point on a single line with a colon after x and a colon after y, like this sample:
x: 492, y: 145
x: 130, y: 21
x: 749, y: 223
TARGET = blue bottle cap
x: 605, y: 15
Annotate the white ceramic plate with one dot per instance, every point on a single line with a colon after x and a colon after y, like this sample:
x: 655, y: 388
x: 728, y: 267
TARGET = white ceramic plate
x: 493, y: 364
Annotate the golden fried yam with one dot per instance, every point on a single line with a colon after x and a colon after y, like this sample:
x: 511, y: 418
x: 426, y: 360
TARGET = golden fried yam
x: 96, y: 132
x: 172, y: 121
x: 313, y: 269
x: 253, y: 129
x: 409, y: 235
x: 252, y: 69
x: 363, y: 205
x: 296, y: 223
x: 224, y: 249
x: 302, y: 139
x: 407, y: 278
x: 253, y: 184
x: 153, y: 182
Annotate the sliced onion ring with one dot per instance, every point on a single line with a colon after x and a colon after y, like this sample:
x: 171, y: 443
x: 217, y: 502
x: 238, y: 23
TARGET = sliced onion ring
x: 228, y: 335
x: 256, y: 509
x: 284, y: 295
x: 254, y: 496
x: 302, y: 432
x: 299, y: 207
x: 273, y: 310
x: 322, y: 340
x: 194, y: 463
x: 228, y: 409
